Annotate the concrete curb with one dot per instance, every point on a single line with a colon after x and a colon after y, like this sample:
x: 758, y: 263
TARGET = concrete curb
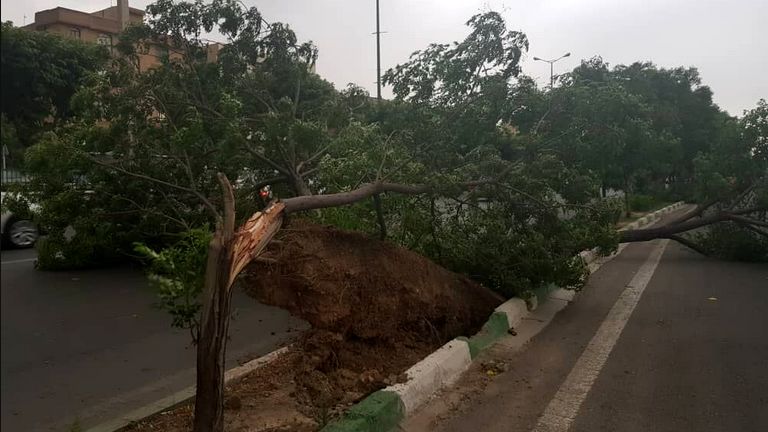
x: 182, y: 395
x: 377, y: 412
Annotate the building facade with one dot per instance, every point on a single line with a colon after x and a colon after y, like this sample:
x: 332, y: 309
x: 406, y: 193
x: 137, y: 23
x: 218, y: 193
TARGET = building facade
x: 101, y: 27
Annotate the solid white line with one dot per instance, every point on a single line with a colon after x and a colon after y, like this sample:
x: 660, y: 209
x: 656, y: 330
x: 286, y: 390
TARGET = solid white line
x: 19, y: 261
x: 563, y: 408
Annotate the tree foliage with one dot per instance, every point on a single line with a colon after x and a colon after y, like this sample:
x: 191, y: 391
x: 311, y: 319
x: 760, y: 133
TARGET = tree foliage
x: 471, y: 164
x: 40, y: 73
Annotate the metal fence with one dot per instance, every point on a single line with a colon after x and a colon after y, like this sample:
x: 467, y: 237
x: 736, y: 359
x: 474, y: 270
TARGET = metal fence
x: 12, y: 176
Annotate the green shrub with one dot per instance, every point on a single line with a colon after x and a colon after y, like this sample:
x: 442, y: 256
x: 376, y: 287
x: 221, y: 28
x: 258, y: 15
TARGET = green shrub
x: 79, y: 246
x: 642, y: 203
x: 178, y: 274
x: 730, y: 241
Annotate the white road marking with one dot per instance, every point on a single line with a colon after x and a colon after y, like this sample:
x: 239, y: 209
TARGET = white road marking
x: 563, y: 408
x: 19, y: 261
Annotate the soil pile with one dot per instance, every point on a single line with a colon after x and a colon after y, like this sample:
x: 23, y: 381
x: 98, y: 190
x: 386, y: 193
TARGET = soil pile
x: 348, y: 283
x: 375, y: 308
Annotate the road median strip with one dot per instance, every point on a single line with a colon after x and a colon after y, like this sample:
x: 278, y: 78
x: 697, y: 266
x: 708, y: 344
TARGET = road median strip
x: 443, y: 367
x: 383, y: 410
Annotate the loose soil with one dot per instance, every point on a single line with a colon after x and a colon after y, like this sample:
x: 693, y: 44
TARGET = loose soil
x: 375, y: 310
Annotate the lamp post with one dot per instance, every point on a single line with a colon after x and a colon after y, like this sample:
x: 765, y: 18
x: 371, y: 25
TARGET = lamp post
x: 378, y: 54
x: 552, y: 67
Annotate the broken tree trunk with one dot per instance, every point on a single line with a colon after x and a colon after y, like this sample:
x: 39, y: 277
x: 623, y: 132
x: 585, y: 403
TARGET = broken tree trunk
x: 228, y: 253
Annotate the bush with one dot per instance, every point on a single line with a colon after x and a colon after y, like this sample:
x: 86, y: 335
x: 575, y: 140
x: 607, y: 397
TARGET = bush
x: 642, y: 203
x: 78, y: 247
x: 730, y: 241
x: 178, y: 274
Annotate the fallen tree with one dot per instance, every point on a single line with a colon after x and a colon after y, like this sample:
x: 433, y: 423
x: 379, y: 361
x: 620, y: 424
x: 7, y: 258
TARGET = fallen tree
x: 455, y: 181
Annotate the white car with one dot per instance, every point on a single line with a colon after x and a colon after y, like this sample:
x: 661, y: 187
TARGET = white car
x: 17, y: 231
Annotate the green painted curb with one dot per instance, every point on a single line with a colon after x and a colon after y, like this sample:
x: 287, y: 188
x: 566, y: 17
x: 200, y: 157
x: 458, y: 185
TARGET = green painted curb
x: 379, y: 412
x: 496, y: 327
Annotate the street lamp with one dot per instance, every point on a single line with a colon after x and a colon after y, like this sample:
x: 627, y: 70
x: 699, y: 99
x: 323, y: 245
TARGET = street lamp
x: 552, y: 67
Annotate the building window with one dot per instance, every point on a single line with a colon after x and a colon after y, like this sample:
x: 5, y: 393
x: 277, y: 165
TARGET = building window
x: 104, y: 39
x: 74, y: 33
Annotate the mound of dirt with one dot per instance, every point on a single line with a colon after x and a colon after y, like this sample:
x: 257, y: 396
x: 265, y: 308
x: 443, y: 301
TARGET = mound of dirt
x: 375, y: 309
x: 348, y: 283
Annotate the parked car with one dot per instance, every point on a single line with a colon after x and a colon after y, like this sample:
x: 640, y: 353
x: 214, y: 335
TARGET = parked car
x: 18, y: 231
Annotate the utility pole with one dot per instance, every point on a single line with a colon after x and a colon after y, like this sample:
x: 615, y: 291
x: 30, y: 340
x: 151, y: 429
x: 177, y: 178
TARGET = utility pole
x: 377, y: 197
x: 378, y: 54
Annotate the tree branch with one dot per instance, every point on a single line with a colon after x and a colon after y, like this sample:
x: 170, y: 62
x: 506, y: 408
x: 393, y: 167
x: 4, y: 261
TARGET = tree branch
x: 741, y: 196
x: 270, y: 181
x: 685, y: 242
x: 312, y: 202
x: 666, y: 230
x: 697, y: 211
x: 748, y: 221
x: 228, y: 222
x: 752, y: 228
x: 274, y: 165
x: 195, y: 192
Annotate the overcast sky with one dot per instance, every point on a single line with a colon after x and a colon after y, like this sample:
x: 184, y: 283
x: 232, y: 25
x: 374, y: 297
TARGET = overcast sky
x: 726, y: 39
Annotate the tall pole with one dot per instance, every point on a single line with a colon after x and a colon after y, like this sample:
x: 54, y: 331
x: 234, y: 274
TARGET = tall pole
x: 552, y: 67
x: 378, y: 54
x: 551, y: 75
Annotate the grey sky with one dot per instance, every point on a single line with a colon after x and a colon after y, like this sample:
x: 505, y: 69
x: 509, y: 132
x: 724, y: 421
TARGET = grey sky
x: 726, y: 39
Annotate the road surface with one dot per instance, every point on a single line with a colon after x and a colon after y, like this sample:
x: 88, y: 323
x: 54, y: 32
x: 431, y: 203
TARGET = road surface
x: 685, y: 348
x: 88, y: 346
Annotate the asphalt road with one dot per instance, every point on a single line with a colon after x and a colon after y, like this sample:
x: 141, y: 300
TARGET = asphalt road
x: 692, y: 356
x: 88, y: 346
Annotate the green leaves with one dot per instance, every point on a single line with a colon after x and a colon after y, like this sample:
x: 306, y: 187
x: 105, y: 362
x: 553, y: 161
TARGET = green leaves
x: 178, y: 274
x: 40, y: 73
x: 445, y: 75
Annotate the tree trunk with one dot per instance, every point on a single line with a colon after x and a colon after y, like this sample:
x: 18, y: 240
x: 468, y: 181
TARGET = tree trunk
x: 380, y: 216
x: 212, y: 343
x: 626, y: 199
x: 214, y: 327
x: 300, y: 186
x: 228, y: 254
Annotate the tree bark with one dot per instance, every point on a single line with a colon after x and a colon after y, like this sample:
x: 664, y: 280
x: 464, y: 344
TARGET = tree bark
x: 675, y: 227
x: 380, y: 216
x: 228, y: 253
x: 214, y: 327
x: 300, y: 186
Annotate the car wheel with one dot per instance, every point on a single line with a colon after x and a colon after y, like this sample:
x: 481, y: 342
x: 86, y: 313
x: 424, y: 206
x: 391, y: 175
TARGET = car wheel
x: 21, y: 233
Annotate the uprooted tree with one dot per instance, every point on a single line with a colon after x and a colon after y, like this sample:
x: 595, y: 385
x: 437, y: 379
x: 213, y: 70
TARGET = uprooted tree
x: 475, y: 167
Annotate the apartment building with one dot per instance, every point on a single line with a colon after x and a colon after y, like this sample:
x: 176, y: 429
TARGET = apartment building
x: 103, y: 27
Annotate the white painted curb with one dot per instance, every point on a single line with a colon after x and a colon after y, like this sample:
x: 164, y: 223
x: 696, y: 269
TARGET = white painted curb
x: 515, y: 309
x: 438, y: 370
